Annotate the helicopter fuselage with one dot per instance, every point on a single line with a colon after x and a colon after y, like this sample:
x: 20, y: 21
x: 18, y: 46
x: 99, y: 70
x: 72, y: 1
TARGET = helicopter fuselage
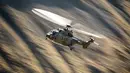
x: 67, y: 40
x: 61, y: 38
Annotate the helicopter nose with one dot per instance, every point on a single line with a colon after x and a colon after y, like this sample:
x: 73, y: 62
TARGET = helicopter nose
x: 47, y: 36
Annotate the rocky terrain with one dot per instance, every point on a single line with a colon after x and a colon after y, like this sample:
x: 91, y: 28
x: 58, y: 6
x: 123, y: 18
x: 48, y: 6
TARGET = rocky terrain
x: 23, y: 48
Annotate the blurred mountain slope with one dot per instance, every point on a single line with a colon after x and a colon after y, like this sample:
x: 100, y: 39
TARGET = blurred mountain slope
x: 23, y: 48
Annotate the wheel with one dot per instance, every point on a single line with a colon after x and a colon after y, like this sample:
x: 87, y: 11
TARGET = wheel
x: 46, y: 38
x: 71, y: 48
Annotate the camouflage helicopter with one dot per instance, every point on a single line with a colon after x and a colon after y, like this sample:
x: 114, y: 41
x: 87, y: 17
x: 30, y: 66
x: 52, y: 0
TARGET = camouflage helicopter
x: 64, y: 35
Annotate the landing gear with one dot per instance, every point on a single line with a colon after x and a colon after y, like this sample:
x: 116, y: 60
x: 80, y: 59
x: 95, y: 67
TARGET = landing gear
x: 71, y: 48
x: 46, y: 38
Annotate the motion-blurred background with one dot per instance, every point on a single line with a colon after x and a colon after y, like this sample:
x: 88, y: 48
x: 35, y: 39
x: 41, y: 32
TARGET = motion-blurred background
x: 23, y: 48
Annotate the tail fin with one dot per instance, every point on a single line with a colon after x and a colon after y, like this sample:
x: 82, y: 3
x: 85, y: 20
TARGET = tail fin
x: 86, y: 44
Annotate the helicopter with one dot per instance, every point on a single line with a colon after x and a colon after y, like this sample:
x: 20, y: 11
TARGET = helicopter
x: 64, y: 35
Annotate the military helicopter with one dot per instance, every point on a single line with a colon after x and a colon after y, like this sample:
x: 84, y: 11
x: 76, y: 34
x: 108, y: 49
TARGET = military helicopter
x: 64, y: 35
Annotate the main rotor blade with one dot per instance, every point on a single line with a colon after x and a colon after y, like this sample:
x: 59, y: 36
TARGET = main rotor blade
x: 96, y: 43
x: 87, y: 33
x: 59, y: 20
x: 52, y: 17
